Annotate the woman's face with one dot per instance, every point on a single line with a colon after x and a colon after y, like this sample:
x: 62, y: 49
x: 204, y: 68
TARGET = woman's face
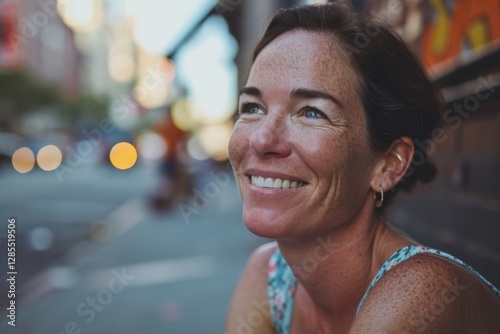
x: 299, y: 148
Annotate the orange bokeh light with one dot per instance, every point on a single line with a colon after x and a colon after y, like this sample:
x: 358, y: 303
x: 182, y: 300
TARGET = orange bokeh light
x: 123, y: 155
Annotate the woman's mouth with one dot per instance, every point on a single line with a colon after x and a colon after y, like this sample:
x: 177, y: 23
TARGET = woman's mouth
x: 275, y: 183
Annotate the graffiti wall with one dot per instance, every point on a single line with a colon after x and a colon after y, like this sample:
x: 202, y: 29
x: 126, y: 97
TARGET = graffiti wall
x: 445, y: 30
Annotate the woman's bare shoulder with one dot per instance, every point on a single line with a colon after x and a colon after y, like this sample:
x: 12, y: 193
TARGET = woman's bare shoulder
x: 428, y: 293
x: 256, y: 269
x: 249, y: 311
x: 259, y: 259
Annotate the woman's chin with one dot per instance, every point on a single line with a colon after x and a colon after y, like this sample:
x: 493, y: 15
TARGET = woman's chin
x: 268, y: 226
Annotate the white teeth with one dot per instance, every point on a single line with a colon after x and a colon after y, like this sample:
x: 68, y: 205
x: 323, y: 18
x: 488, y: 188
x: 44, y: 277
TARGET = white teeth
x: 260, y: 181
x: 276, y: 183
x: 268, y: 182
x: 257, y: 181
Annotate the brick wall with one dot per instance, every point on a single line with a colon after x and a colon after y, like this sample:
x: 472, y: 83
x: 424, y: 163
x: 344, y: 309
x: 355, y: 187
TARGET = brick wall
x: 459, y: 212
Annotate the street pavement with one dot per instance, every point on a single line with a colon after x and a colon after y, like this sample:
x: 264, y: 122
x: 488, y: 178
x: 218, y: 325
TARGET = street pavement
x: 92, y: 257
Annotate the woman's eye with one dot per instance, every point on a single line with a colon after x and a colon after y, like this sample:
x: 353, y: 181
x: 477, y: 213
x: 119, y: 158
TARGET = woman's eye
x: 311, y: 113
x: 251, y: 109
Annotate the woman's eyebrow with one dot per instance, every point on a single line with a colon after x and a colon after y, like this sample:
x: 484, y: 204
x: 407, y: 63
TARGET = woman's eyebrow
x: 306, y: 93
x: 251, y: 90
x: 303, y: 93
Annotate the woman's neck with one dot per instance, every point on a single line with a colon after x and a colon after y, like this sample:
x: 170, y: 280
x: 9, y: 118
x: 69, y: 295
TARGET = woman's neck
x: 334, y: 269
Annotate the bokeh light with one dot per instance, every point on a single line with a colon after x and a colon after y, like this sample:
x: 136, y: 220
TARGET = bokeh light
x: 183, y: 115
x: 188, y: 116
x: 62, y: 278
x: 195, y: 150
x: 121, y: 64
x: 41, y: 238
x: 23, y: 160
x: 81, y: 15
x: 151, y: 146
x: 155, y: 76
x: 49, y: 157
x: 123, y: 155
x: 101, y: 231
x: 150, y: 98
x: 214, y: 140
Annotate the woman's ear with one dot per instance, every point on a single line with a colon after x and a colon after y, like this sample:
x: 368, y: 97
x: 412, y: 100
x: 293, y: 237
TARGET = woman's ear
x: 393, y: 164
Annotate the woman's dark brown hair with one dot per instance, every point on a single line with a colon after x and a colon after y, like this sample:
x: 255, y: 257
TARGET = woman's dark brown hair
x: 398, y: 97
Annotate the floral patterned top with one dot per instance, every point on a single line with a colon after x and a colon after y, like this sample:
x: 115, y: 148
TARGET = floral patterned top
x: 282, y: 284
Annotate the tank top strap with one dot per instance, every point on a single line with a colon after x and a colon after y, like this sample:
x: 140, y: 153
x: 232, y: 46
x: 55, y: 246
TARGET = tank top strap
x: 409, y: 251
x: 281, y: 287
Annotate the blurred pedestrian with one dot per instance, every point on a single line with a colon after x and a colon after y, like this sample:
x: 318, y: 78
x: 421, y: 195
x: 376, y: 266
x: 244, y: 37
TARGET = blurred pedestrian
x: 175, y: 178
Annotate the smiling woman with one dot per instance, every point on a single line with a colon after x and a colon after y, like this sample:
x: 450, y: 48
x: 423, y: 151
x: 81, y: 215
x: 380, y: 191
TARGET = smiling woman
x: 324, y: 140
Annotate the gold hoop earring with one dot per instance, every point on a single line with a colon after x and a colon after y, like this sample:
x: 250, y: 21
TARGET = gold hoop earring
x: 379, y: 202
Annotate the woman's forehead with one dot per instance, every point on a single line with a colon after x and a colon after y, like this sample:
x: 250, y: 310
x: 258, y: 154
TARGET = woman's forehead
x: 303, y: 58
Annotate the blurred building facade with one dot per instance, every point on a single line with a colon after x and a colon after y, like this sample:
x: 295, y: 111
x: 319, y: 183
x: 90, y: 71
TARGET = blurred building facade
x: 9, y: 57
x: 39, y: 67
x: 35, y: 38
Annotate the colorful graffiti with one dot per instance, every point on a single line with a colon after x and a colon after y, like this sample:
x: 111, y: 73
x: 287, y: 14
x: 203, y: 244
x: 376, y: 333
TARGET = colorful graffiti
x: 457, y: 26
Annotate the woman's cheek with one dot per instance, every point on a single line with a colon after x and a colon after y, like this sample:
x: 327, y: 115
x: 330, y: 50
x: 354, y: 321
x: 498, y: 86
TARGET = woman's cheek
x: 236, y: 146
x: 323, y: 146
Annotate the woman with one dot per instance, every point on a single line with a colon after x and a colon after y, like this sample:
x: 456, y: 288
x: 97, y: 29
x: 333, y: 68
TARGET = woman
x: 324, y: 139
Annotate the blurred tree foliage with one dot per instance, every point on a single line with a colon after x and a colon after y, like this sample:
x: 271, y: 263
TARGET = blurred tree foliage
x: 89, y: 107
x: 22, y: 94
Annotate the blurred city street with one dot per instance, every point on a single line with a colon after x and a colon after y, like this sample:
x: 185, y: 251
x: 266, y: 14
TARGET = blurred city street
x: 172, y: 275
x: 115, y: 117
x: 114, y: 182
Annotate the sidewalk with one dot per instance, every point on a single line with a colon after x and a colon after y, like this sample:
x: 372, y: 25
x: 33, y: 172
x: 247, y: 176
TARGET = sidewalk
x: 163, y: 274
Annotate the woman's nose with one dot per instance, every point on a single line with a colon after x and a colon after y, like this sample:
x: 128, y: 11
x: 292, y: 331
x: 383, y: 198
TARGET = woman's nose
x: 270, y: 138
